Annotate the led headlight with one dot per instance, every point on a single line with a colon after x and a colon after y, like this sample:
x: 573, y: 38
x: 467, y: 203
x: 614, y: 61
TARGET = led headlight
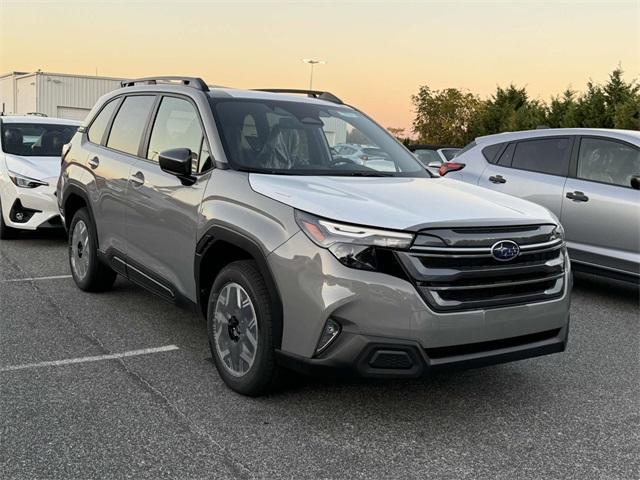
x: 353, y: 245
x: 23, y: 181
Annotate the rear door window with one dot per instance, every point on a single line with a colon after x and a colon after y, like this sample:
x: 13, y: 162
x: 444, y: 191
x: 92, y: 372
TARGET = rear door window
x: 545, y: 155
x: 129, y: 124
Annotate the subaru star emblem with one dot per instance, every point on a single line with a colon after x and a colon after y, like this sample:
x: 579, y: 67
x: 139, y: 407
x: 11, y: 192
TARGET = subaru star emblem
x: 505, y: 250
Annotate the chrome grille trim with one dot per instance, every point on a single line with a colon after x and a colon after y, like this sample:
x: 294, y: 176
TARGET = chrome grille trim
x: 460, y: 278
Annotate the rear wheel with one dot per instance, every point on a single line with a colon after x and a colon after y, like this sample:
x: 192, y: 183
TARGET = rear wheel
x: 240, y: 329
x: 87, y: 271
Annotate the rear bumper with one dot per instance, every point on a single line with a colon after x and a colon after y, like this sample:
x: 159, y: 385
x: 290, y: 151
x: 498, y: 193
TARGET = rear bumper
x: 365, y: 356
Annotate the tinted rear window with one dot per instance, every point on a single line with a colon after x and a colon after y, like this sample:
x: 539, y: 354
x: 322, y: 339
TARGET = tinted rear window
x: 128, y: 126
x: 491, y: 152
x: 548, y: 155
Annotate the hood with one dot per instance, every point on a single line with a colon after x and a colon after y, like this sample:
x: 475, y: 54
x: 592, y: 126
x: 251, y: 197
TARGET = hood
x: 399, y: 203
x: 39, y: 168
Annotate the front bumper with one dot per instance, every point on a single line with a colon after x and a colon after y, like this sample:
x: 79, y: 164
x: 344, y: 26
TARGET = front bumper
x: 366, y: 356
x: 380, y: 310
x: 38, y: 205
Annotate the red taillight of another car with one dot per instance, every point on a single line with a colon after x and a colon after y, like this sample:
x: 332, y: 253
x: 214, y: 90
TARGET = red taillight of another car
x: 447, y: 167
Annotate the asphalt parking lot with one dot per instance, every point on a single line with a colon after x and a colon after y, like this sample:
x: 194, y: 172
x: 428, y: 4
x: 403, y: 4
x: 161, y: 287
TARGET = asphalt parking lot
x: 162, y: 411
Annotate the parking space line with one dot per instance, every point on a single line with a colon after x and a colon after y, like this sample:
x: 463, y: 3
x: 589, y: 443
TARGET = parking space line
x: 35, y: 279
x: 97, y: 358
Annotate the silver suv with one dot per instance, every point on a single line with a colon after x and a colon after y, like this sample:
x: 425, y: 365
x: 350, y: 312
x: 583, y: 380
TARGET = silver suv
x: 230, y: 202
x: 589, y: 178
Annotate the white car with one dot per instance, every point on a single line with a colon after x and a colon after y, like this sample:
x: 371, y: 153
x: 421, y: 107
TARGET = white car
x: 30, y: 150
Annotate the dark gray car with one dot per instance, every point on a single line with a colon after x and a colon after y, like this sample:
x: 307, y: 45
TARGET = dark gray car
x: 589, y: 178
x: 231, y: 203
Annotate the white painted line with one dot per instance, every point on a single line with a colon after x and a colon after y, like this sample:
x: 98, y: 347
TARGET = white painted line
x: 97, y: 358
x: 35, y: 279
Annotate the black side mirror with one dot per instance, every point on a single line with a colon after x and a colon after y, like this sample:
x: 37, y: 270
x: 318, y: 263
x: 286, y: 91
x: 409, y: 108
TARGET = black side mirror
x: 176, y: 161
x: 635, y: 182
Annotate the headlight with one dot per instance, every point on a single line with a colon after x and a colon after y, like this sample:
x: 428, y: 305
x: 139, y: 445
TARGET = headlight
x: 353, y: 245
x: 25, y: 182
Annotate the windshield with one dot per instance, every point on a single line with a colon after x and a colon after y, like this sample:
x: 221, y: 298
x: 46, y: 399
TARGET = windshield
x: 299, y: 138
x: 35, y: 139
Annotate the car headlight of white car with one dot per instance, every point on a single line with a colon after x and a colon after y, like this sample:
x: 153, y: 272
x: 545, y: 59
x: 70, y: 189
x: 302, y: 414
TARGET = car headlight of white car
x: 23, y: 181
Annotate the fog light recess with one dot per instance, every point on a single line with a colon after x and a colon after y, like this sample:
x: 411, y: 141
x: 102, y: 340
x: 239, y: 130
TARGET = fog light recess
x: 330, y: 332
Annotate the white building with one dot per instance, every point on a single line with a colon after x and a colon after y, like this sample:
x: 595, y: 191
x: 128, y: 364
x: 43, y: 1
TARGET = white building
x: 54, y: 94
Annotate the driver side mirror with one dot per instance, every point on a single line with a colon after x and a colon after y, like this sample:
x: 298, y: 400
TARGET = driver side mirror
x: 635, y: 182
x: 176, y: 161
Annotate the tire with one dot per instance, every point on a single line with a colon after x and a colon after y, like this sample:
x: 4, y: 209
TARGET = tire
x: 231, y: 345
x: 6, y: 232
x: 87, y: 271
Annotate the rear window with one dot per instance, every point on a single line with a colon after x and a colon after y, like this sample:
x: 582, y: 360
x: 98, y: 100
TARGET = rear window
x: 35, y: 139
x: 491, y: 152
x: 548, y: 155
x: 100, y: 123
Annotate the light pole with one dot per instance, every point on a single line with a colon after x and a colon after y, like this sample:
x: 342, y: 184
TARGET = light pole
x: 312, y: 63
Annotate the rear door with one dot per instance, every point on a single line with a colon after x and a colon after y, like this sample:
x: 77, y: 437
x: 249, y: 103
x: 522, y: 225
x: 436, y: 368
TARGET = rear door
x: 162, y: 210
x: 112, y: 142
x: 601, y: 212
x: 533, y: 169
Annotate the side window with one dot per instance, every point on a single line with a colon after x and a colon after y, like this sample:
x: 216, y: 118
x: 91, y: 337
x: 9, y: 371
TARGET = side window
x: 547, y: 155
x: 491, y: 152
x: 129, y: 124
x: 177, y: 125
x: 607, y: 161
x: 507, y: 156
x: 99, y: 124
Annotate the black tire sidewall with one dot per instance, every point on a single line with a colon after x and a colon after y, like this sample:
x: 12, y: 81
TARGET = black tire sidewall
x: 262, y: 372
x: 90, y: 279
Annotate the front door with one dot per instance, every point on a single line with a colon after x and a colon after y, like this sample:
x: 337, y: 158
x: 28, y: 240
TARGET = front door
x: 162, y: 212
x: 601, y: 211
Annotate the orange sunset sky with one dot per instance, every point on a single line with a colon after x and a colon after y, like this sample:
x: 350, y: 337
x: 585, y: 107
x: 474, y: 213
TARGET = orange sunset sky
x: 377, y: 53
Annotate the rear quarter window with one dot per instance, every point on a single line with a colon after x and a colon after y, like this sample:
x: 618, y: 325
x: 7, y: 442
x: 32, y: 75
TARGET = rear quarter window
x: 491, y: 152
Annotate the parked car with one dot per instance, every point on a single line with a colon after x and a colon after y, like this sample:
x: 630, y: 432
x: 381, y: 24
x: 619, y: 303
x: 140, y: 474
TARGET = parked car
x: 360, y: 154
x: 30, y: 146
x: 589, y: 178
x: 229, y: 201
x: 433, y: 156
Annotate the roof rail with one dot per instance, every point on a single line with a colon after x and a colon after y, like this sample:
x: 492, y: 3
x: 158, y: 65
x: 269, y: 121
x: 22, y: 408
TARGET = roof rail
x: 319, y: 94
x: 194, y: 82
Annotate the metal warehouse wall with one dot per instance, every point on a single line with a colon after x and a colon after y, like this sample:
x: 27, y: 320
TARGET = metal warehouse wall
x: 71, y: 96
x: 7, y: 96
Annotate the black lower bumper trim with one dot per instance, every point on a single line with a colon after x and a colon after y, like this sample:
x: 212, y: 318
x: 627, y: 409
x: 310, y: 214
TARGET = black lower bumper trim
x: 361, y: 356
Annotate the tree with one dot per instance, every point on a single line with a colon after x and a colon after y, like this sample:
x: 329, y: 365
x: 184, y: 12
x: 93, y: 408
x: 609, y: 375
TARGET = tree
x: 562, y: 112
x: 442, y: 116
x: 509, y: 109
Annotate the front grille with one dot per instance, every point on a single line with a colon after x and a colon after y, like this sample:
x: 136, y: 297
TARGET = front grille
x: 454, y: 269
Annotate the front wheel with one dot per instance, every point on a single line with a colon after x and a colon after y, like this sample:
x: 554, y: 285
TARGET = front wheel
x: 240, y: 329
x: 87, y: 271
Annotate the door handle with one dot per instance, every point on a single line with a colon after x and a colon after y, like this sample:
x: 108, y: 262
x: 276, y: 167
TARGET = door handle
x: 577, y: 196
x: 497, y: 179
x: 94, y: 162
x: 137, y: 179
